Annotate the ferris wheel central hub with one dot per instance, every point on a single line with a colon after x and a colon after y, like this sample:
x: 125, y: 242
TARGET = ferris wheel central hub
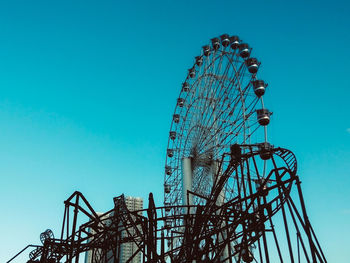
x: 200, y: 159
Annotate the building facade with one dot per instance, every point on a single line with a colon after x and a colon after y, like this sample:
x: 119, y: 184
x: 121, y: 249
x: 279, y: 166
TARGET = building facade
x: 128, y: 249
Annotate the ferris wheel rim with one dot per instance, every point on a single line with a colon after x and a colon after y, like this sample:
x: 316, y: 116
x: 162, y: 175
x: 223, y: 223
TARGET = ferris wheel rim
x: 182, y: 111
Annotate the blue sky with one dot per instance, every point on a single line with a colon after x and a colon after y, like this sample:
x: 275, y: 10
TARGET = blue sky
x: 88, y: 89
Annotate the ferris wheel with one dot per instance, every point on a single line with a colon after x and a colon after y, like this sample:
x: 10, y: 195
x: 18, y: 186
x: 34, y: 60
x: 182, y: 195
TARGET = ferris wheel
x: 220, y: 104
x: 227, y: 190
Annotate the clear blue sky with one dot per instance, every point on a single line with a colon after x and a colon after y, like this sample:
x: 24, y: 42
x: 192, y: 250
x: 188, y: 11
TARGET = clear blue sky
x: 88, y: 89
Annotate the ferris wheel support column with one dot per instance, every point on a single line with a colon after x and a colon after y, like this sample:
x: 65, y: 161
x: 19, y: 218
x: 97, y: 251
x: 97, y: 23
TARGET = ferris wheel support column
x: 187, y: 181
x: 215, y: 173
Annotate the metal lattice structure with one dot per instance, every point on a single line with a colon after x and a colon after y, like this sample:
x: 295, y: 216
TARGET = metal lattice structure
x: 244, y: 229
x: 229, y: 196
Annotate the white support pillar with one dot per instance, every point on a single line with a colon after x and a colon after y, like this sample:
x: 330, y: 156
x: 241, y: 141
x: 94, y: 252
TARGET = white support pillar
x: 187, y: 180
x: 216, y: 177
x: 220, y: 201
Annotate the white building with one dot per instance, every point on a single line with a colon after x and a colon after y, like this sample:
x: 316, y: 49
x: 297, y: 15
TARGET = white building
x: 129, y: 248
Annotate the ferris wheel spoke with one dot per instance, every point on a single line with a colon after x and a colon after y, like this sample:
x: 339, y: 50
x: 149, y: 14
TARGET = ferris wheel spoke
x: 219, y: 131
x: 219, y: 98
x: 224, y: 142
x: 236, y: 132
x: 211, y: 91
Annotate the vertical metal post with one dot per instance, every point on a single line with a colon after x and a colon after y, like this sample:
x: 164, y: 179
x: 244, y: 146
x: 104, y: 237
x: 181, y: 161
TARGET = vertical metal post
x: 285, y: 221
x: 162, y: 247
x: 78, y: 250
x: 306, y: 220
x: 73, y: 228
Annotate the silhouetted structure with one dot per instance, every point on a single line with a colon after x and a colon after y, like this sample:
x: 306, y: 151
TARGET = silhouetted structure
x: 225, y: 200
x: 240, y: 230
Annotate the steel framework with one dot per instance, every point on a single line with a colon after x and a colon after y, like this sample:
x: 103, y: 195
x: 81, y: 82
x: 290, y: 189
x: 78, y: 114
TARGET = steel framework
x: 243, y: 229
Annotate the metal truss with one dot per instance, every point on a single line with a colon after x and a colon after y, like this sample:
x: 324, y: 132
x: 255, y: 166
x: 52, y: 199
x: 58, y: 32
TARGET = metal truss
x: 262, y: 222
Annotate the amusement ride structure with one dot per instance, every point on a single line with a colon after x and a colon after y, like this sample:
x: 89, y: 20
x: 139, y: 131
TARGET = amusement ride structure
x: 229, y: 195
